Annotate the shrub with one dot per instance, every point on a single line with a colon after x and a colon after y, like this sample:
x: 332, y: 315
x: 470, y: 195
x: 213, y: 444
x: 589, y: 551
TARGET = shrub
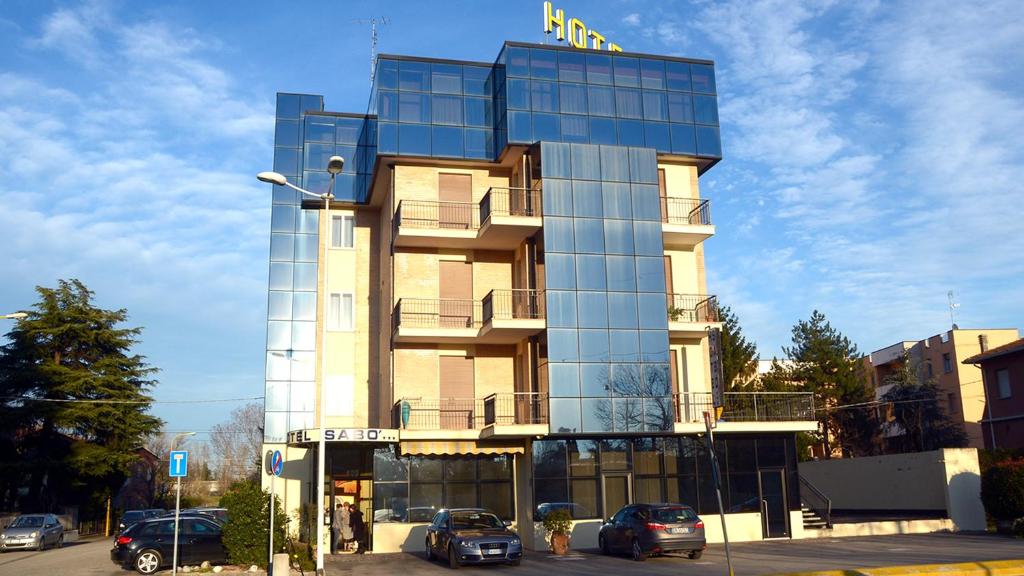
x: 247, y: 533
x: 558, y: 521
x: 1002, y: 490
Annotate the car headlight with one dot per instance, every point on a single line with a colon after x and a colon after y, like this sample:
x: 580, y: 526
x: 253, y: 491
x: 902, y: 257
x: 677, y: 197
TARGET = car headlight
x: 514, y: 542
x: 33, y: 535
x: 467, y: 544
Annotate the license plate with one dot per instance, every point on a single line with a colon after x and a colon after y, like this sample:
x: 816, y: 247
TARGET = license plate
x: 492, y: 551
x: 679, y: 530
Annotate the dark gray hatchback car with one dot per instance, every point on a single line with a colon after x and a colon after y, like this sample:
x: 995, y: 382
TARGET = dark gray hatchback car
x: 646, y: 529
x: 472, y: 536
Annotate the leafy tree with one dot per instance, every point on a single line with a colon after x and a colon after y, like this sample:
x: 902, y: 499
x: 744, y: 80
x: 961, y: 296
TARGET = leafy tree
x: 739, y: 356
x: 916, y: 411
x: 237, y: 443
x: 247, y: 535
x: 74, y: 399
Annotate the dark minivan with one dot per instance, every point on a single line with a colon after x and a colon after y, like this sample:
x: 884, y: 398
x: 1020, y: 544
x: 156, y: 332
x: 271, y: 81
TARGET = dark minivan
x: 148, y: 545
x: 646, y: 529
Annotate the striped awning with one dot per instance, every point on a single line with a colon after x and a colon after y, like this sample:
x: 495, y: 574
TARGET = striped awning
x: 457, y: 447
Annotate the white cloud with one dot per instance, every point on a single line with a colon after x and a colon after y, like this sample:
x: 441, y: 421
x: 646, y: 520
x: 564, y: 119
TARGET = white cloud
x: 631, y: 19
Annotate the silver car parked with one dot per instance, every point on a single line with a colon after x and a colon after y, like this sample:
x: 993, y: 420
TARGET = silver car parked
x: 32, y: 531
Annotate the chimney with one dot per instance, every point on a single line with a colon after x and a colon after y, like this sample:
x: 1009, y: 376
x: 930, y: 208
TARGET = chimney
x: 983, y: 342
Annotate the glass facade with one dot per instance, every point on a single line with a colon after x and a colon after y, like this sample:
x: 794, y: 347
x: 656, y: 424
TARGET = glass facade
x: 607, y: 354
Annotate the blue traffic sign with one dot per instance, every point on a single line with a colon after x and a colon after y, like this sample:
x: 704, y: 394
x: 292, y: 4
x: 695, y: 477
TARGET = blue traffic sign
x: 179, y: 464
x: 276, y: 463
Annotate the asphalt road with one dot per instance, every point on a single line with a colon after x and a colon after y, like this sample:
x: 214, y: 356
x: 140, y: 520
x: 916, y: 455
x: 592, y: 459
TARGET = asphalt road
x: 86, y: 558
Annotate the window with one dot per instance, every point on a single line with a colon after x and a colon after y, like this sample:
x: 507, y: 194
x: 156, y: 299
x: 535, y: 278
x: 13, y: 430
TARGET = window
x: 947, y: 363
x: 951, y: 398
x: 343, y: 231
x: 1003, y: 382
x: 341, y: 313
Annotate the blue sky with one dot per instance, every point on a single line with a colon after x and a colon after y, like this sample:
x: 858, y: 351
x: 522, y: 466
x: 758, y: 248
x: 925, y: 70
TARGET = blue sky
x: 874, y: 157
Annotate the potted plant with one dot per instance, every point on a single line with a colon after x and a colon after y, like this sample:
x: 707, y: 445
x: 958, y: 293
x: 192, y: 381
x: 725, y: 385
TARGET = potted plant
x: 558, y: 522
x: 675, y: 313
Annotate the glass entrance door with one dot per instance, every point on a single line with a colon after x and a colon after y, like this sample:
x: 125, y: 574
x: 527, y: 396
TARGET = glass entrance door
x: 774, y: 507
x: 617, y: 492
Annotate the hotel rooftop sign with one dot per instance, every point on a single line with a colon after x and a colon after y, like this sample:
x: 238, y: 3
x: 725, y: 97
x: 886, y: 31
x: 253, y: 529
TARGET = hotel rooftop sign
x: 554, y: 20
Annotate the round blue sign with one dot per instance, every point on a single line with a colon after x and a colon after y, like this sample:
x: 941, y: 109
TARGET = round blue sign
x: 276, y: 463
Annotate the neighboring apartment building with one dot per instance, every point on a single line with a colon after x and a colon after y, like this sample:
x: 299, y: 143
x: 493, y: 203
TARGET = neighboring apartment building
x: 1002, y: 371
x: 516, y: 311
x: 941, y: 358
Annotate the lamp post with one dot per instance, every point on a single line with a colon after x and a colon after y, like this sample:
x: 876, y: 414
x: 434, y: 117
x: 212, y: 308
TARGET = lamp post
x: 334, y: 167
x: 14, y: 316
x: 177, y: 504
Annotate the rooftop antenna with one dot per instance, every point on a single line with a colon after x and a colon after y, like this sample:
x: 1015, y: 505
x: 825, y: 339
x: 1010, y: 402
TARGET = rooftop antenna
x: 953, y: 306
x: 373, y: 22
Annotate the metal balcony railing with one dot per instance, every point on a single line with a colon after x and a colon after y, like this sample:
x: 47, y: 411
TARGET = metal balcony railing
x: 525, y: 304
x: 509, y: 409
x: 692, y: 308
x: 747, y: 406
x: 433, y: 214
x: 510, y: 202
x: 440, y: 313
x: 470, y: 413
x: 685, y: 211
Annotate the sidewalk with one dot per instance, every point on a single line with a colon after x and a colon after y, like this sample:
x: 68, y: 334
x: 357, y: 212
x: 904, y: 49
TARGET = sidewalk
x: 989, y: 568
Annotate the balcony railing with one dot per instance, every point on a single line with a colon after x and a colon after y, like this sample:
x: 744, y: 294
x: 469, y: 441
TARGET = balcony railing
x: 470, y: 413
x: 513, y: 305
x: 440, y: 313
x: 748, y: 406
x: 685, y: 211
x: 432, y: 214
x: 510, y: 202
x: 692, y: 308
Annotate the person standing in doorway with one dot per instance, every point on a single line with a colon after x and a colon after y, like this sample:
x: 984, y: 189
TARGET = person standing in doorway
x: 358, y: 529
x: 346, y: 528
x: 338, y: 520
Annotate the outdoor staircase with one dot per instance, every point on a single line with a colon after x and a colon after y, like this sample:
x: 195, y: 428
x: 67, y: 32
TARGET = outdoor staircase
x: 815, y: 507
x: 811, y: 519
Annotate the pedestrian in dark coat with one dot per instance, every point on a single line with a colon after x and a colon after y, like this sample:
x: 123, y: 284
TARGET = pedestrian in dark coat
x: 355, y: 519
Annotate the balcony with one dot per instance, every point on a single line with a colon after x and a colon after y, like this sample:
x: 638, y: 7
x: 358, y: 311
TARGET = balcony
x: 748, y: 411
x: 689, y: 315
x: 505, y: 414
x: 502, y: 317
x: 501, y: 221
x: 686, y: 222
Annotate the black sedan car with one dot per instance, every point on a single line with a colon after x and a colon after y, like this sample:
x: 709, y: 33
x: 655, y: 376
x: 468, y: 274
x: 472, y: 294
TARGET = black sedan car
x: 472, y: 536
x: 148, y: 545
x: 646, y: 529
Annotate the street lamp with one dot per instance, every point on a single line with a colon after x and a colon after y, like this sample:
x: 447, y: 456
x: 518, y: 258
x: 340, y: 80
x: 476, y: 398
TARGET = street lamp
x: 177, y: 503
x: 334, y: 167
x: 14, y: 316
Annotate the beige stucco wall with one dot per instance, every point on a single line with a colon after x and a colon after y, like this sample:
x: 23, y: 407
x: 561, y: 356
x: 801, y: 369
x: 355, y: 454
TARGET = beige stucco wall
x: 421, y: 182
x: 290, y: 487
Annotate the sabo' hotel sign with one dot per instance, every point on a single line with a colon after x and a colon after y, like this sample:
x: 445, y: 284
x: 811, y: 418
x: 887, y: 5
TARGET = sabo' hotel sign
x: 578, y: 33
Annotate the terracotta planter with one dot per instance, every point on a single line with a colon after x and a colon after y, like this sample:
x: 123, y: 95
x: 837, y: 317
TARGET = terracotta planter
x: 560, y: 543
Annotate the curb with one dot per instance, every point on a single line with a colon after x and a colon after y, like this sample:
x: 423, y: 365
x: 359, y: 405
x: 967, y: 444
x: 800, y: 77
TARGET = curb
x: 986, y: 568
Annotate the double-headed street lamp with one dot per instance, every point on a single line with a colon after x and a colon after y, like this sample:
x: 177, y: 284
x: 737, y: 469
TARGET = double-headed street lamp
x: 334, y: 167
x: 14, y: 316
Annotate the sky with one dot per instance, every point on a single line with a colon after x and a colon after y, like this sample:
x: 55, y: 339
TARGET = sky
x: 874, y: 155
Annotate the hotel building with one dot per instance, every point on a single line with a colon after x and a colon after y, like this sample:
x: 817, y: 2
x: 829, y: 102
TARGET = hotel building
x: 515, y: 313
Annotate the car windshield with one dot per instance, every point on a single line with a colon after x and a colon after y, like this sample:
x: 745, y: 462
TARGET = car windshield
x: 673, y: 515
x: 27, y: 522
x: 475, y: 521
x: 133, y: 516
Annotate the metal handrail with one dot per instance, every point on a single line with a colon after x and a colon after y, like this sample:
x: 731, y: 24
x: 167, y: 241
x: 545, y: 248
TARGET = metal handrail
x: 436, y: 313
x: 824, y: 506
x: 504, y: 408
x: 685, y: 211
x: 510, y: 202
x: 692, y: 308
x: 747, y: 406
x: 514, y: 304
x: 437, y: 214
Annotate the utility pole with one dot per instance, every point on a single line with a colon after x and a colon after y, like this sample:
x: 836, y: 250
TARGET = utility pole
x: 717, y: 476
x: 373, y: 22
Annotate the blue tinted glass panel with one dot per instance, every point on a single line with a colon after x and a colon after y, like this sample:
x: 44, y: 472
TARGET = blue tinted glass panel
x: 643, y: 165
x: 387, y: 105
x: 601, y: 100
x: 590, y: 273
x: 413, y: 76
x: 286, y: 161
x: 593, y: 312
x: 594, y: 379
x: 558, y: 234
x: 309, y: 221
x: 387, y: 138
x: 347, y: 130
x: 311, y: 103
x: 653, y: 310
x: 287, y: 133
x: 626, y: 379
x: 587, y: 198
x: 316, y: 182
x: 614, y: 164
x: 281, y: 275
x: 306, y: 247
x: 618, y: 236
x: 594, y: 346
x: 575, y: 129
x: 572, y: 67
x: 414, y: 139
x: 561, y: 308
x: 631, y: 132
x: 628, y: 103
x: 446, y: 78
x: 602, y: 131
x: 627, y: 71
x: 565, y: 380
x: 319, y: 130
x: 589, y: 235
x: 659, y: 414
x: 556, y: 160
x: 557, y: 197
x: 625, y: 345
x: 705, y: 109
x: 573, y: 98
x: 304, y: 306
x: 304, y: 277
x: 546, y: 127
x: 560, y: 271
x: 474, y: 80
x: 517, y: 62
x: 544, y: 96
x: 647, y: 238
x: 349, y: 154
x: 656, y: 380
x: 317, y: 156
x: 599, y: 69
x: 677, y: 75
x: 708, y: 141
x: 478, y: 112
x: 282, y: 247
x: 447, y: 141
x: 544, y: 64
x: 656, y: 136
x: 621, y: 273
x: 680, y: 107
x: 344, y: 187
x: 684, y: 139
x: 622, y: 310
x: 652, y: 74
x: 288, y: 106
x: 654, y: 344
x: 387, y: 74
x: 479, y: 143
x: 562, y: 345
x: 284, y: 195
x: 646, y: 202
x: 413, y: 107
x: 446, y: 110
x: 280, y: 306
x: 586, y: 161
x: 282, y: 219
x: 519, y: 129
x: 565, y: 415
x: 518, y: 94
x: 703, y: 77
x: 655, y: 105
x: 650, y: 274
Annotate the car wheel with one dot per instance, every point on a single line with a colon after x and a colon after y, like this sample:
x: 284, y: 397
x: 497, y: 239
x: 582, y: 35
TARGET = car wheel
x: 430, y: 552
x: 147, y: 562
x: 603, y: 545
x: 60, y: 541
x: 696, y: 554
x: 42, y: 544
x: 638, y: 552
x: 453, y: 560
